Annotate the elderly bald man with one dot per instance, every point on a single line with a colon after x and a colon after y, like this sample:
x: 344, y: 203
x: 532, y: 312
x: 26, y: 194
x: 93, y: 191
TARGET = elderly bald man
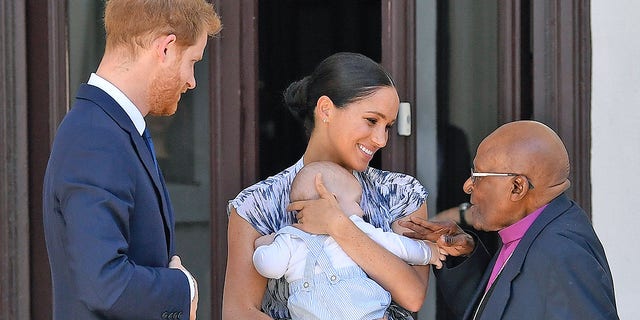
x: 551, y: 264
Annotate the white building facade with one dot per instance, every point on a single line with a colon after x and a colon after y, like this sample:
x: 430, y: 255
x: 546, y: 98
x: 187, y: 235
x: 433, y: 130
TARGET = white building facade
x: 615, y: 143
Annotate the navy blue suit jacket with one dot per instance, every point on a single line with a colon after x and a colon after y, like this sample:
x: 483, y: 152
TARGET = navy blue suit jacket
x: 108, y: 221
x: 558, y: 271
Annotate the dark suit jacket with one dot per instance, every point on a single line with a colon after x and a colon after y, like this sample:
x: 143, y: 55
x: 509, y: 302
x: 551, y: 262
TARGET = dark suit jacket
x: 108, y: 220
x: 558, y: 271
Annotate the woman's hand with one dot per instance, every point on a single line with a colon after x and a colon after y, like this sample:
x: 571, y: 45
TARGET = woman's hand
x: 447, y: 234
x: 318, y: 216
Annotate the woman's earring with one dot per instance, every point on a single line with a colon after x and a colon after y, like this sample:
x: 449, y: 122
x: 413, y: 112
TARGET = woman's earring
x: 325, y: 120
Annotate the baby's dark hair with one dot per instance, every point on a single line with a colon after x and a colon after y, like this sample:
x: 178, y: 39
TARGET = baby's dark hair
x: 344, y: 77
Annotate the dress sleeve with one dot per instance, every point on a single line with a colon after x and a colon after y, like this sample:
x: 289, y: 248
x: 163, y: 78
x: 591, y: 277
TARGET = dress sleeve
x: 402, y: 193
x: 260, y: 209
x: 409, y: 195
x: 264, y: 205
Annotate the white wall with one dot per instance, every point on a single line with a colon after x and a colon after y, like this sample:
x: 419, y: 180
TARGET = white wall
x: 615, y: 145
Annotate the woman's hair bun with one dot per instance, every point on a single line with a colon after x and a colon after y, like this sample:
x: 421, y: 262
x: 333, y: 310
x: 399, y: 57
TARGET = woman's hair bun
x: 295, y: 98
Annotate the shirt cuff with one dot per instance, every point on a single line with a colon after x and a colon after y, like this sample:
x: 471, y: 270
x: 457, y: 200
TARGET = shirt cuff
x: 192, y: 284
x: 426, y: 250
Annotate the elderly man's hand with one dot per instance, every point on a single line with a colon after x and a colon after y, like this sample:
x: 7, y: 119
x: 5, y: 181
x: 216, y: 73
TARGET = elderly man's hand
x: 447, y: 234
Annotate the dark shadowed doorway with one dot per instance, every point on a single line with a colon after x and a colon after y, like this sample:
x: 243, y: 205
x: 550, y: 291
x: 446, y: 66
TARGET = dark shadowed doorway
x: 294, y: 36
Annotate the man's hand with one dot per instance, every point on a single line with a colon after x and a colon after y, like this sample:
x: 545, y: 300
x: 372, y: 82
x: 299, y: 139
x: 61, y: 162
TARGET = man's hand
x: 447, y: 234
x: 176, y: 263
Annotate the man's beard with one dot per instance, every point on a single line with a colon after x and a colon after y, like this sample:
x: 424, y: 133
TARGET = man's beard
x: 164, y: 93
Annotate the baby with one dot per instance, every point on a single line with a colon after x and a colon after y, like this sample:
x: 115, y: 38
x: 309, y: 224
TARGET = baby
x: 324, y: 283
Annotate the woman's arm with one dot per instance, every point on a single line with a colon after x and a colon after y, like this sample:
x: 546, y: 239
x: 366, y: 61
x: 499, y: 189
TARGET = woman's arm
x: 407, y: 284
x: 244, y: 287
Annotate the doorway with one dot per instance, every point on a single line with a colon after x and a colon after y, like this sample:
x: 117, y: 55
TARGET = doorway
x: 266, y: 46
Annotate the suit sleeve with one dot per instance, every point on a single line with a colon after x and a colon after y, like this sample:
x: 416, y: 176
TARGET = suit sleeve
x: 460, y: 277
x: 578, y: 281
x: 96, y: 190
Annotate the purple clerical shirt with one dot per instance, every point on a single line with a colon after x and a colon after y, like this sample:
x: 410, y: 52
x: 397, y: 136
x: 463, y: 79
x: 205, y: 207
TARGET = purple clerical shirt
x: 510, y: 237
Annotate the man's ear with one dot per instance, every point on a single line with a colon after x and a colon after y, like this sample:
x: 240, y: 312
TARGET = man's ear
x: 164, y: 45
x: 520, y: 188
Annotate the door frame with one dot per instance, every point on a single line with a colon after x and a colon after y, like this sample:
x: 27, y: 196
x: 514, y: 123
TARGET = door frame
x: 544, y: 74
x: 399, y: 59
x: 14, y: 173
x: 47, y: 103
x: 234, y: 124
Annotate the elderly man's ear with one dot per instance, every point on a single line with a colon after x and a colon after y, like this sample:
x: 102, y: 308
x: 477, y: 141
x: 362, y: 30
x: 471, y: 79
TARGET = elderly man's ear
x: 520, y: 188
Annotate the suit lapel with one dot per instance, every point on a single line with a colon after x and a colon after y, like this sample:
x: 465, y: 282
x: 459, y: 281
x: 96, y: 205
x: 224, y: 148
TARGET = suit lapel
x: 113, y: 109
x: 167, y: 214
x: 497, y: 302
x: 479, y: 294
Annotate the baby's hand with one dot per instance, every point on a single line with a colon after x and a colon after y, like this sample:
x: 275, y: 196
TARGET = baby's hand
x: 264, y: 240
x: 437, y: 255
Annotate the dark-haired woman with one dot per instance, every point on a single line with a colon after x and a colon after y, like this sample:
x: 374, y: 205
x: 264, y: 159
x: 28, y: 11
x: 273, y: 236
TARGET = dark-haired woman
x: 347, y: 105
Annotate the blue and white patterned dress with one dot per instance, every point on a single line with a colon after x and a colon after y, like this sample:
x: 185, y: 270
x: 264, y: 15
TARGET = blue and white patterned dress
x: 386, y: 197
